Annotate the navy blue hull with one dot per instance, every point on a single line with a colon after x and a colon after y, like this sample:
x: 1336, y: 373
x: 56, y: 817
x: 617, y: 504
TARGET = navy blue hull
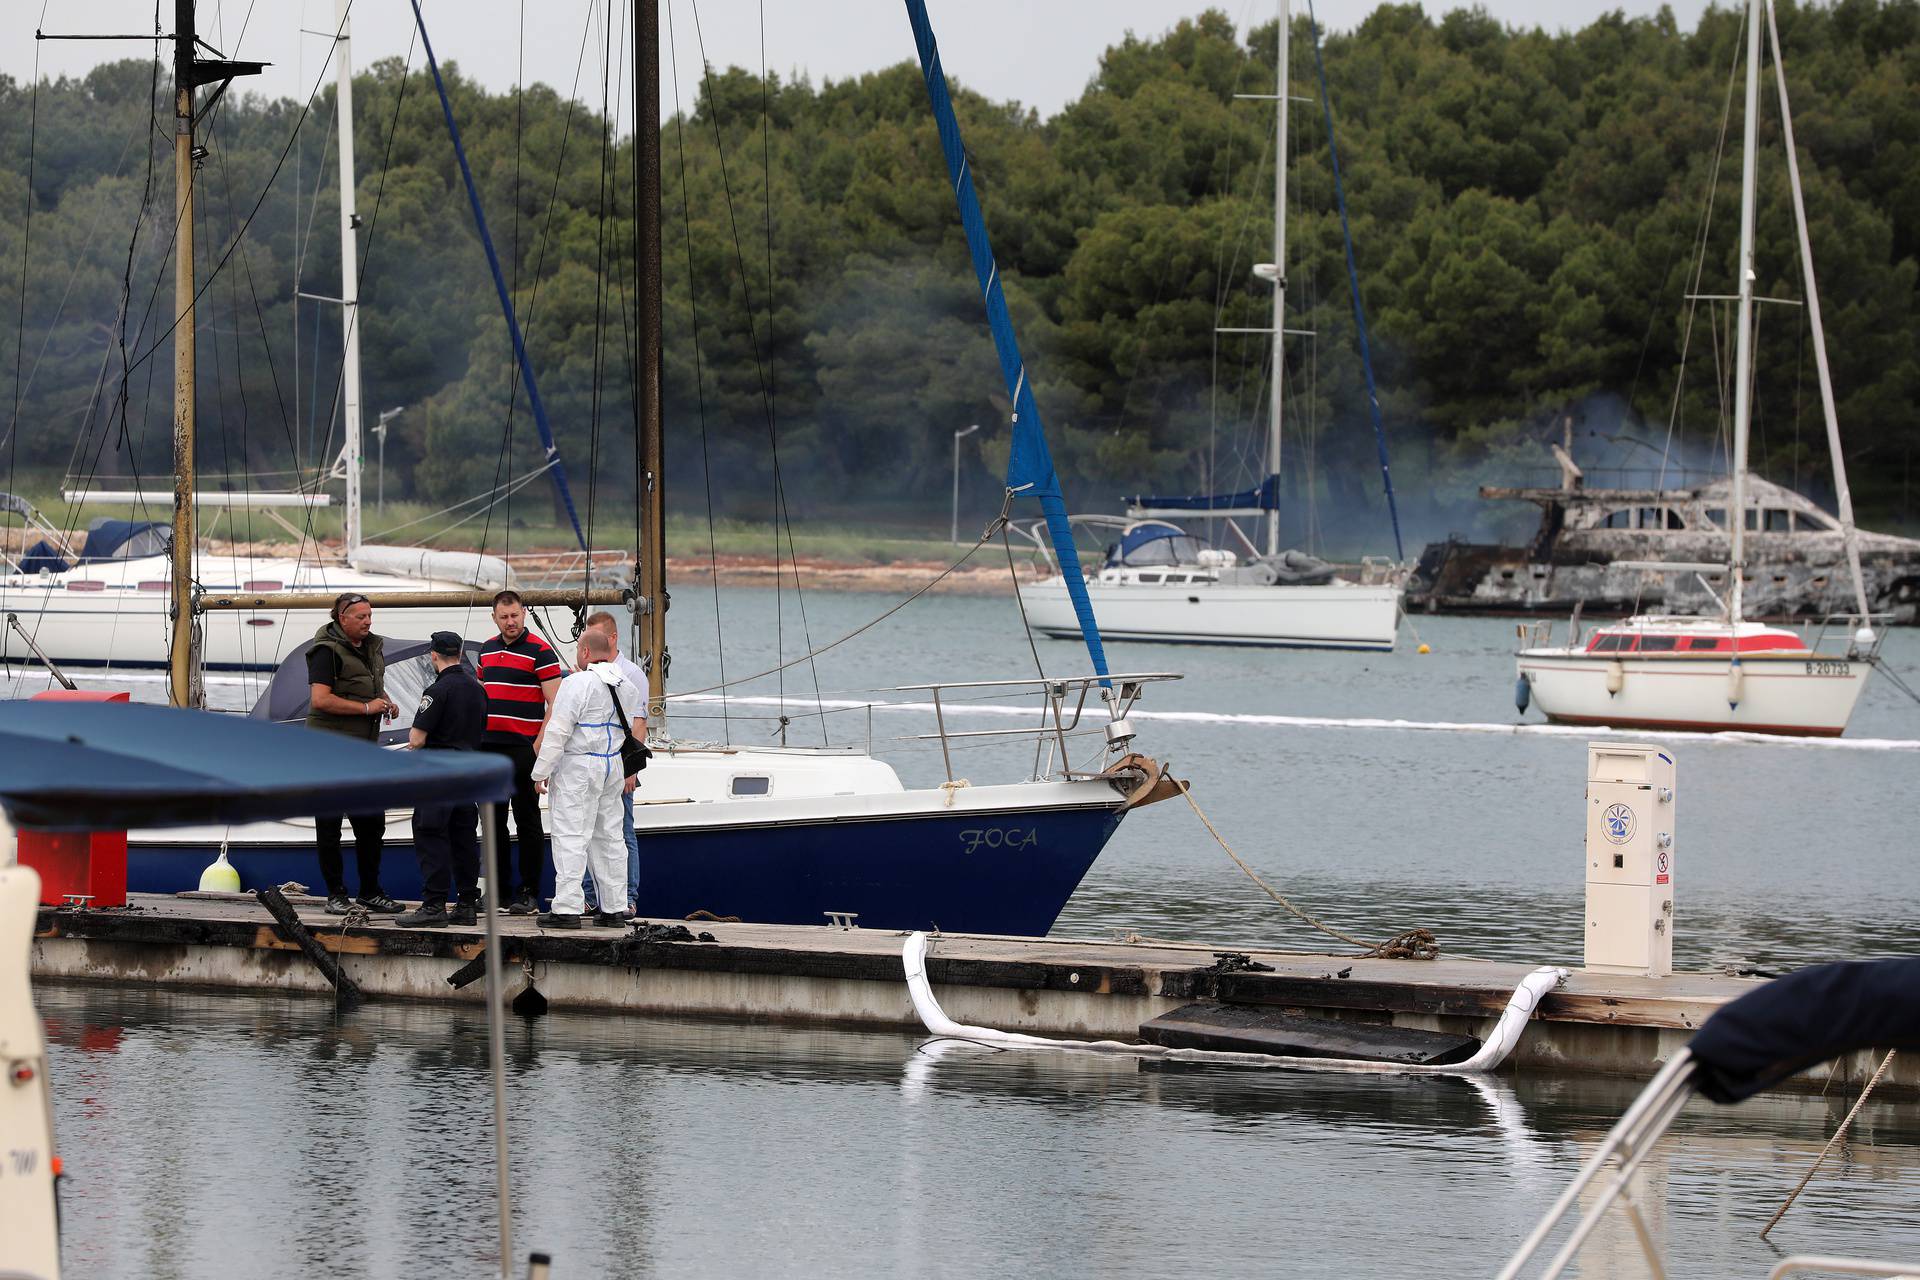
x: 966, y: 873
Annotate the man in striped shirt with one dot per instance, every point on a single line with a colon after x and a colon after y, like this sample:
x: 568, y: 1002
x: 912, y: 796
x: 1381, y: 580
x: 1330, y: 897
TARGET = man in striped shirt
x: 521, y: 674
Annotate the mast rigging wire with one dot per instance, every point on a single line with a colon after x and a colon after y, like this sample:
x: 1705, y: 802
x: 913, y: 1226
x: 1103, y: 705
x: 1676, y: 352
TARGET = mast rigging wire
x: 699, y: 372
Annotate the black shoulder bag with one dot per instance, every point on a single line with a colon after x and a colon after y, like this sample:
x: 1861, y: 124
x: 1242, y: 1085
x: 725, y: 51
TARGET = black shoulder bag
x: 634, y: 753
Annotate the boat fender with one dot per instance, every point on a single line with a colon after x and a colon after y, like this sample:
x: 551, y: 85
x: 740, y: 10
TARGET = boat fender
x: 1736, y: 685
x: 1522, y: 693
x: 220, y: 876
x: 1616, y: 677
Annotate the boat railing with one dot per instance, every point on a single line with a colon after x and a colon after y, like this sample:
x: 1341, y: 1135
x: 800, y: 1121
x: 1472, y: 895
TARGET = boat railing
x: 1063, y: 705
x: 1849, y: 626
x: 539, y: 569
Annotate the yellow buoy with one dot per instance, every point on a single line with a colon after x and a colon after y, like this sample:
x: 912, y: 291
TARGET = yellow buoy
x: 1423, y: 649
x: 220, y: 877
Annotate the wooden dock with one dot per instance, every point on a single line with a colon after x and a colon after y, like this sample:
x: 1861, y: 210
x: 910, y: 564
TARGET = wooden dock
x: 1597, y: 1023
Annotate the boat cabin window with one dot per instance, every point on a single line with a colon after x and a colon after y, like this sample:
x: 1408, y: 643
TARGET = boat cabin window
x: 1658, y: 644
x: 1716, y: 517
x: 1610, y: 643
x: 1150, y: 577
x: 1659, y: 518
x: 752, y: 784
x: 1705, y: 644
x: 1779, y: 520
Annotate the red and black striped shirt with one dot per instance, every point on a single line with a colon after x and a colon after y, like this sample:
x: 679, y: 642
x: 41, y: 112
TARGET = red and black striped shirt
x: 512, y: 674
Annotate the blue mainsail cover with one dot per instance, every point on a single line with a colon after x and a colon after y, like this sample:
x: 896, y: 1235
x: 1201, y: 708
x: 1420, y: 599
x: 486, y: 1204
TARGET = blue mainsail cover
x: 1030, y: 465
x: 500, y: 286
x: 1265, y: 498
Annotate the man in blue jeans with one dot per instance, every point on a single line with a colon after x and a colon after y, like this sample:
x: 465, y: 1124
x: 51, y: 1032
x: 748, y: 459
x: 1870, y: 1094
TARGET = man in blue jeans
x: 606, y: 622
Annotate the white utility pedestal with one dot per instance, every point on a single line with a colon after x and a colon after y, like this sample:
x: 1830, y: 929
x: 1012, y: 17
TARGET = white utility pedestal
x: 1630, y: 858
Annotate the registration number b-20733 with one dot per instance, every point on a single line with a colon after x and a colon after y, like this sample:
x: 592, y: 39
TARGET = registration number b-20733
x: 1828, y: 669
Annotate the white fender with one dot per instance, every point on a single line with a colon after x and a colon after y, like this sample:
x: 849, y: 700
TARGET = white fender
x: 1736, y: 684
x: 1493, y: 1050
x: 1616, y: 677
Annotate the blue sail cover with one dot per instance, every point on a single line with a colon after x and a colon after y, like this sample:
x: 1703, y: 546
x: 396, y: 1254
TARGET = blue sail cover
x: 500, y: 286
x: 1265, y: 498
x: 1030, y: 465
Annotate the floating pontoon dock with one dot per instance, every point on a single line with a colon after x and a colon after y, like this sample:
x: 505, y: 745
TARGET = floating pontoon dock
x: 1595, y: 1023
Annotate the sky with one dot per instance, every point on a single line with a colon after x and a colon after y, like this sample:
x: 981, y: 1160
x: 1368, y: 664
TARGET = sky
x: 1038, y: 52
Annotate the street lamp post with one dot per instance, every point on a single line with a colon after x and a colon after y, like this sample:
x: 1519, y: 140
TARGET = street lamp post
x: 958, y: 436
x: 380, y: 434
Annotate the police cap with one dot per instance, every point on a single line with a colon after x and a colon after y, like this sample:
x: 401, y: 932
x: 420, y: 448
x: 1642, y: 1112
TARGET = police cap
x: 446, y: 644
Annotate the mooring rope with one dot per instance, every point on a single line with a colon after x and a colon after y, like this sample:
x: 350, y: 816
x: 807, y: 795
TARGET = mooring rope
x: 1413, y: 944
x: 1831, y: 1143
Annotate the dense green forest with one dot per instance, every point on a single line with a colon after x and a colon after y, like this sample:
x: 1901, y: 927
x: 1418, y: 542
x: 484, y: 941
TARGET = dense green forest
x: 1529, y: 213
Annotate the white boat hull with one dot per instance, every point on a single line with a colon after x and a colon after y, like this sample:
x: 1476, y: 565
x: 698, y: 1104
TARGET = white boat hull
x: 1338, y: 615
x: 123, y: 621
x: 1796, y: 693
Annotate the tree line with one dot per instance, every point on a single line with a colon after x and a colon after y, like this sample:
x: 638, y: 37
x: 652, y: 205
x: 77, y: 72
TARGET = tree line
x: 1529, y: 213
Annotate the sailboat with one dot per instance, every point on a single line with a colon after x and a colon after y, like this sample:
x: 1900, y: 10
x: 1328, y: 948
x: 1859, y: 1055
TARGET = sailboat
x: 1161, y: 582
x: 106, y: 602
x: 1666, y: 672
x: 802, y: 835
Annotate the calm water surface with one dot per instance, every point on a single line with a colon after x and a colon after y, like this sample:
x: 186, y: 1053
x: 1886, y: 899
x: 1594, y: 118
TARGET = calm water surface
x: 239, y: 1135
x: 230, y: 1135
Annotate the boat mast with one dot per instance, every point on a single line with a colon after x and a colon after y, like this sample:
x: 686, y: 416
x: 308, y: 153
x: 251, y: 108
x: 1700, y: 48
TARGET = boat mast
x: 1279, y: 274
x: 652, y: 552
x: 1743, y: 339
x: 1849, y: 535
x: 183, y: 666
x: 349, y: 276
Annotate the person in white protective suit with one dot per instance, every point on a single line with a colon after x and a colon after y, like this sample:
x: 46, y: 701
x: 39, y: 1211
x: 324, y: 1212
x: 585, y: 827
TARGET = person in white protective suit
x: 578, y: 767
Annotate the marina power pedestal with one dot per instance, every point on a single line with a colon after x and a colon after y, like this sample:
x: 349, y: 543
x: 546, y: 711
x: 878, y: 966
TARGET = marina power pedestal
x: 1630, y: 858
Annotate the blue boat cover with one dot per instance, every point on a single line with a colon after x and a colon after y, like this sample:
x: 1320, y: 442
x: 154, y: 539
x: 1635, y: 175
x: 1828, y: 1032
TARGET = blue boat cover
x: 124, y: 539
x: 43, y: 557
x: 101, y: 766
x: 1804, y: 1019
x: 1266, y: 498
x: 1030, y: 469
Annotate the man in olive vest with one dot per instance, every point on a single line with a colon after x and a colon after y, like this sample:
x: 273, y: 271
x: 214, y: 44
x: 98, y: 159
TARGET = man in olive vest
x: 346, y: 667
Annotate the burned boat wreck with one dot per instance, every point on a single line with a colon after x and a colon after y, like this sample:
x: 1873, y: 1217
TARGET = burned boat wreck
x: 1593, y: 543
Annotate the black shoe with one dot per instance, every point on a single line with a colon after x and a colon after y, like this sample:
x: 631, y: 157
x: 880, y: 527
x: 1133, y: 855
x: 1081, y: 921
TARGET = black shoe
x: 337, y: 904
x: 557, y: 920
x: 524, y: 904
x: 429, y: 916
x: 380, y: 904
x: 463, y: 913
x: 609, y: 920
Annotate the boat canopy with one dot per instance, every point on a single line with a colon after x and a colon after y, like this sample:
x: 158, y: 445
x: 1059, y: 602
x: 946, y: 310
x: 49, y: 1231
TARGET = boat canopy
x: 1154, y: 544
x: 409, y: 671
x: 107, y: 539
x: 104, y: 766
x: 1804, y: 1019
x: 1266, y: 497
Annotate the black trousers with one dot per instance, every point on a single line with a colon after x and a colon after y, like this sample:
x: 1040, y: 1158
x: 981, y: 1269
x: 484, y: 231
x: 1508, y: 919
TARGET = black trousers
x: 526, y: 819
x: 369, y: 830
x: 446, y: 840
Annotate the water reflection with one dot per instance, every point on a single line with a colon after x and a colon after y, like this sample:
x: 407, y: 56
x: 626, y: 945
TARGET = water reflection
x: 240, y: 1135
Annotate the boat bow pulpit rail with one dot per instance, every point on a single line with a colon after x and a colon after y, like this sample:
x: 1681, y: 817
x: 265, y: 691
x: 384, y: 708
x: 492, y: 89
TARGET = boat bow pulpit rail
x: 1057, y: 719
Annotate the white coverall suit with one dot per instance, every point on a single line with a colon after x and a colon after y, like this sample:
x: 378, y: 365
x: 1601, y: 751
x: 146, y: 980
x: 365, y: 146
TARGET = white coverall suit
x: 580, y: 763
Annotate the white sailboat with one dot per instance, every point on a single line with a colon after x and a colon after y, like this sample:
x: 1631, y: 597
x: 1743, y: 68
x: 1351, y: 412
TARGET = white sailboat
x: 107, y: 602
x: 791, y: 834
x: 1161, y: 582
x: 1723, y: 673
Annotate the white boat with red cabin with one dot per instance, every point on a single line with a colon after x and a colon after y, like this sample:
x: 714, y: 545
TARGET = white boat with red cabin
x: 1724, y: 673
x: 1697, y: 674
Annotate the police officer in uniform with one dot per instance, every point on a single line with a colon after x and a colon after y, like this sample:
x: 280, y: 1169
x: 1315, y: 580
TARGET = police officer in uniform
x: 452, y: 716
